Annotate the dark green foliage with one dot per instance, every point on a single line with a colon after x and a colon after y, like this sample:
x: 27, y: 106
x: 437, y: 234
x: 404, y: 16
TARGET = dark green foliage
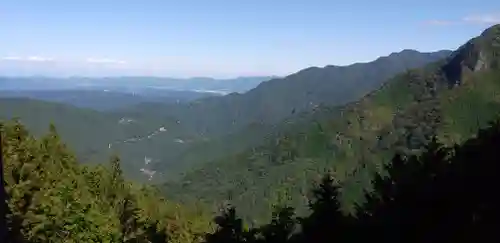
x: 230, y: 228
x: 326, y: 223
x: 3, y: 203
x: 51, y: 198
x: 445, y: 194
x: 282, y: 226
x: 423, y: 198
x: 117, y: 183
x: 88, y: 133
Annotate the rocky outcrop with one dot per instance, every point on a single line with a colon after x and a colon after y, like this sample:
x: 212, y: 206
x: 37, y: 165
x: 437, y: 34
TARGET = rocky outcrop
x: 480, y: 53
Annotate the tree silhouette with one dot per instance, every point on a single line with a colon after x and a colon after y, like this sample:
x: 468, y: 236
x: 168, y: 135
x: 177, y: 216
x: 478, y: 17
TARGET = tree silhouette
x: 3, y: 197
x: 117, y: 181
x: 11, y: 224
x: 445, y: 194
x: 229, y: 229
x: 281, y: 227
x: 399, y: 206
x: 326, y: 223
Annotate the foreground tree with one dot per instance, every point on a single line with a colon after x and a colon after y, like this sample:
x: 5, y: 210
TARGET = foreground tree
x: 326, y: 223
x: 281, y: 227
x: 52, y: 198
x: 445, y: 194
x: 229, y: 229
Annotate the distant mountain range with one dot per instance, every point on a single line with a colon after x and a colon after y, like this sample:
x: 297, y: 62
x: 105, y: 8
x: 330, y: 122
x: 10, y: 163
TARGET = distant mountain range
x: 121, y: 92
x: 133, y: 84
x: 277, y: 99
x: 105, y: 100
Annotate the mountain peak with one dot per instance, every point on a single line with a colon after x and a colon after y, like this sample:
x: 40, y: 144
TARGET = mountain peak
x: 489, y: 40
x: 413, y: 52
x: 404, y: 51
x: 480, y: 53
x: 493, y: 30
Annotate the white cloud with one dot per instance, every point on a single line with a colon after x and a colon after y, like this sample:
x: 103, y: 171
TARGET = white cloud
x: 439, y: 22
x: 105, y: 60
x: 12, y: 58
x: 39, y: 59
x: 483, y: 19
x: 469, y: 19
x: 28, y: 59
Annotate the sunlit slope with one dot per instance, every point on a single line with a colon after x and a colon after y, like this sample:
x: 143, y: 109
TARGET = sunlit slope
x: 450, y: 98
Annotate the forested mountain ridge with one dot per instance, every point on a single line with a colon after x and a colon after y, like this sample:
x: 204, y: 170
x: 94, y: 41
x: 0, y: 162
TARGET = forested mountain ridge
x: 240, y: 121
x: 104, y: 100
x: 53, y: 198
x: 451, y: 99
x: 202, y: 130
x: 50, y: 198
x: 425, y: 198
x: 274, y: 100
x: 95, y: 135
x: 79, y: 127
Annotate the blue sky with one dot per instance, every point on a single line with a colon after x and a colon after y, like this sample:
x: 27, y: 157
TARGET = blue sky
x: 224, y: 38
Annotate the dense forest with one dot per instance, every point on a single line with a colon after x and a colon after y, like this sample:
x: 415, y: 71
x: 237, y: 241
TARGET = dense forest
x: 53, y: 198
x: 446, y: 193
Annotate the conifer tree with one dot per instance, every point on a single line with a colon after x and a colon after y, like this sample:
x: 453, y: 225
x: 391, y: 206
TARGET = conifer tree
x: 229, y: 229
x: 282, y: 226
x: 3, y: 198
x: 116, y: 183
x: 326, y: 223
x: 51, y: 198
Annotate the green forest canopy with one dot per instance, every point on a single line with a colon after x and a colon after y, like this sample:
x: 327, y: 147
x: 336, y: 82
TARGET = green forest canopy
x: 52, y: 198
x: 424, y: 198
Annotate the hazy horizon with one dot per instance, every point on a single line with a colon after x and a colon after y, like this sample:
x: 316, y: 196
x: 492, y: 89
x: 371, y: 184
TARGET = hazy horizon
x: 132, y: 76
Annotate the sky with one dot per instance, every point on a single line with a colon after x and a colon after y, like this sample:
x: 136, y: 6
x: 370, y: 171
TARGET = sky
x: 224, y: 39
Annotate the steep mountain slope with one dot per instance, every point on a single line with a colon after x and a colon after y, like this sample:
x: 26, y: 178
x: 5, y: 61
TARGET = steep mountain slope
x: 450, y: 98
x: 93, y: 135
x: 236, y: 122
x: 197, y: 132
x: 81, y: 127
x: 276, y: 99
x: 201, y: 130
